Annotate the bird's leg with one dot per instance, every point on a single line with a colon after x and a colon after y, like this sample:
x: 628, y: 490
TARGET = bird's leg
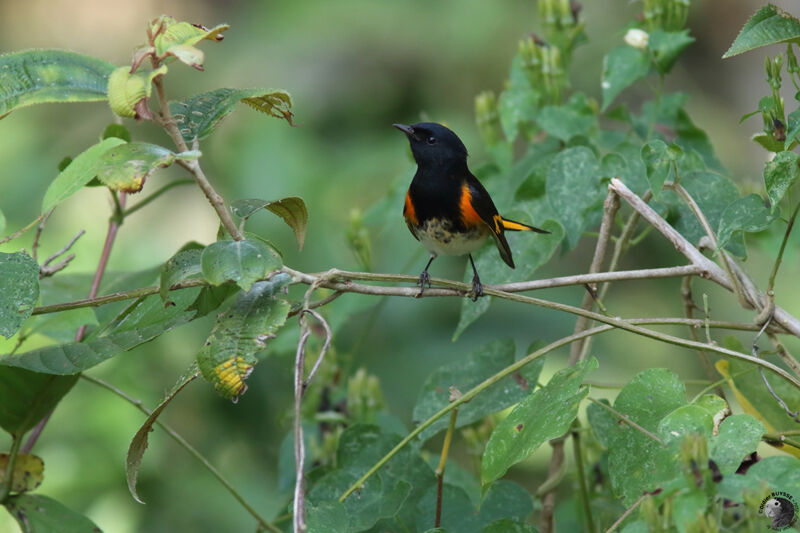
x: 424, y: 277
x: 477, y: 288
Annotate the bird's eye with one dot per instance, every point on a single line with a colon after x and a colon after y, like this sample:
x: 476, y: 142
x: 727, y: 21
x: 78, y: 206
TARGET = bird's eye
x: 431, y: 140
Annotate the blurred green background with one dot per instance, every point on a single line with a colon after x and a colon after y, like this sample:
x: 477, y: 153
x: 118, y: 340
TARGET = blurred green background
x: 353, y: 69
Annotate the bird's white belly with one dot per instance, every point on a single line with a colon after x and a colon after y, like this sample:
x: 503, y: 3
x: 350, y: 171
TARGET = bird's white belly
x: 438, y: 237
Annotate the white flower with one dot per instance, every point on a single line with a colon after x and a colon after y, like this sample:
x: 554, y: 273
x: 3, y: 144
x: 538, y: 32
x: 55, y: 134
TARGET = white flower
x: 637, y: 38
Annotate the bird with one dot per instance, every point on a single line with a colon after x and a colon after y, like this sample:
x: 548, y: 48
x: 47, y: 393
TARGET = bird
x: 446, y: 208
x: 781, y: 511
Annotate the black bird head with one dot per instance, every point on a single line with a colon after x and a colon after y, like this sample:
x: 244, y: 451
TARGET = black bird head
x: 433, y: 145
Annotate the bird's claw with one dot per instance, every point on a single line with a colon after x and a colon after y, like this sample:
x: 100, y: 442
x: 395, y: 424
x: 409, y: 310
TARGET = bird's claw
x: 477, y: 289
x: 424, y: 279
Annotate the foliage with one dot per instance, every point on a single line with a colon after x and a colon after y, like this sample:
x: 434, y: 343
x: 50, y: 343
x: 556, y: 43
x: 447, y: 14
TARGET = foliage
x: 655, y: 456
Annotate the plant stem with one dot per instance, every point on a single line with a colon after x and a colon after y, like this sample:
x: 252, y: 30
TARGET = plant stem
x: 186, y: 446
x: 577, y: 450
x: 23, y: 230
x: 156, y: 194
x: 448, y: 437
x: 8, y: 482
x: 779, y: 259
x: 167, y: 121
x: 627, y: 513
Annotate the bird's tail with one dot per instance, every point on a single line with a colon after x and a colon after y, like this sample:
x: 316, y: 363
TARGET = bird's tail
x: 510, y: 225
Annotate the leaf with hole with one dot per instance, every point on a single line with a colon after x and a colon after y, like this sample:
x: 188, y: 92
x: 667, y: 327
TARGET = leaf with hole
x: 77, y: 174
x: 545, y: 414
x: 291, y: 209
x: 40, y: 514
x: 50, y: 76
x: 28, y: 472
x: 19, y: 290
x: 468, y: 372
x: 198, y: 115
x: 26, y: 397
x: 229, y: 354
x: 768, y: 25
x: 243, y: 262
x: 127, y: 166
x: 138, y: 445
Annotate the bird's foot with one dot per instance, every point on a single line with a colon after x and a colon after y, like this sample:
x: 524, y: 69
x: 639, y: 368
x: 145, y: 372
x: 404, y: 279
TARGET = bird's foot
x: 424, y: 279
x: 477, y: 288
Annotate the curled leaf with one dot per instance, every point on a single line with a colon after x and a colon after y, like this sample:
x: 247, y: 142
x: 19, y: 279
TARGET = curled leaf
x: 177, y: 39
x: 127, y: 166
x: 291, y: 209
x: 139, y: 443
x: 46, y: 76
x: 128, y: 93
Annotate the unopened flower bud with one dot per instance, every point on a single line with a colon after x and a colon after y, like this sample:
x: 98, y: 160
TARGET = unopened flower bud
x: 637, y: 38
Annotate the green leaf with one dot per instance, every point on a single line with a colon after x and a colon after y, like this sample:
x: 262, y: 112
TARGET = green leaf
x: 667, y: 46
x: 545, y: 414
x: 177, y: 39
x: 48, y: 76
x: 211, y: 298
x: 769, y: 25
x: 77, y: 174
x: 229, y: 354
x: 506, y: 525
x: 243, y: 262
x: 128, y: 91
x: 26, y: 397
x: 39, y: 514
x: 636, y: 462
x: 792, y: 129
x: 529, y: 250
x: 658, y: 159
x: 780, y: 174
x: 199, y: 115
x: 117, y: 131
x: 399, y: 485
x: 574, y: 188
x: 747, y: 214
x: 133, y: 460
x: 566, y: 121
x: 180, y: 267
x: 75, y: 357
x: 19, y: 290
x: 770, y: 474
x: 291, y: 209
x: 468, y: 372
x: 327, y: 517
x: 688, y: 508
x: 739, y: 436
x: 127, y: 166
x: 61, y: 326
x: 622, y: 67
x: 504, y: 501
x: 519, y: 103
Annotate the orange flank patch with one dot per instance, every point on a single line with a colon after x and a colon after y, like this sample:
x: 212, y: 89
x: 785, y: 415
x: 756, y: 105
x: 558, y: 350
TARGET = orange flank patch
x: 408, y: 211
x: 469, y: 216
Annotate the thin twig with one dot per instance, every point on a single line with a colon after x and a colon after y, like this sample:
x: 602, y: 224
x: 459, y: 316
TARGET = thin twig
x: 186, y: 446
x: 726, y: 262
x: 795, y: 415
x: 688, y: 309
x: 156, y: 194
x: 298, y: 505
x: 780, y: 438
x: 325, y: 346
x: 627, y: 513
x: 787, y: 357
x: 37, y: 236
x: 23, y: 230
x: 46, y: 270
x: 625, y: 418
x: 577, y: 451
x: 448, y: 437
x: 167, y: 121
x: 774, y: 274
x: 8, y: 481
x: 710, y: 270
x: 455, y: 288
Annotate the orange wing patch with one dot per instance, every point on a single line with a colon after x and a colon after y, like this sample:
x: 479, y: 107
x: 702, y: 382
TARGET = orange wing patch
x: 408, y: 211
x: 469, y: 216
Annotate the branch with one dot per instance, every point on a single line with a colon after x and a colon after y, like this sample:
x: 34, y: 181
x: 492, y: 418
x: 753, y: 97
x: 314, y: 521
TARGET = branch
x: 710, y: 270
x: 167, y: 121
x: 23, y: 230
x: 46, y: 270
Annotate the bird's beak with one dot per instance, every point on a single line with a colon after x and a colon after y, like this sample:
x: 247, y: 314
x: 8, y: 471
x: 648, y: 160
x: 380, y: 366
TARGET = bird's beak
x: 408, y: 130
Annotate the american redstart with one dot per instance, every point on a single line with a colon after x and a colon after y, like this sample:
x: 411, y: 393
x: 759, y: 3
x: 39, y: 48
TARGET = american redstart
x: 447, y: 209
